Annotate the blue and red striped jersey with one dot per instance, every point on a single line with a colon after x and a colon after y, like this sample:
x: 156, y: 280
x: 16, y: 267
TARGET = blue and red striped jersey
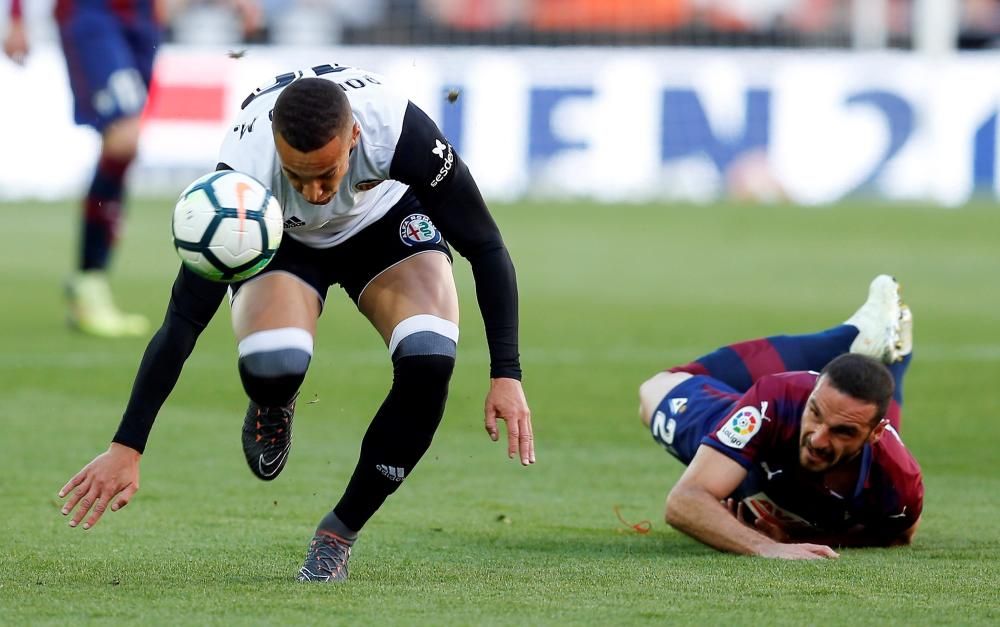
x: 125, y: 10
x: 762, y: 433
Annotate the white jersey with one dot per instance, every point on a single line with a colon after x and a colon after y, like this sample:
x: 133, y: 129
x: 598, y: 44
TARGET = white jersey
x: 365, y: 194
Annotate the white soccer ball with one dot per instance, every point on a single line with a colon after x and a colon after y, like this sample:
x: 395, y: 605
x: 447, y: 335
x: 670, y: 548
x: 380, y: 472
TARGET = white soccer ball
x: 227, y: 225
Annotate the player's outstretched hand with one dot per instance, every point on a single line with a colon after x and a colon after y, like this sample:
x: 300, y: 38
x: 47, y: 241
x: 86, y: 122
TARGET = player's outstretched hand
x: 799, y: 552
x: 506, y: 401
x: 108, y: 481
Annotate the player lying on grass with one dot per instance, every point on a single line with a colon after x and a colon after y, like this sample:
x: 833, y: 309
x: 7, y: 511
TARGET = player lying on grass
x: 783, y: 461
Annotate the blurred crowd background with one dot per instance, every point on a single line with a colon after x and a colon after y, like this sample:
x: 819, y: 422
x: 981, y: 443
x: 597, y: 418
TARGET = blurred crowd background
x: 804, y: 100
x: 783, y: 23
x: 748, y: 23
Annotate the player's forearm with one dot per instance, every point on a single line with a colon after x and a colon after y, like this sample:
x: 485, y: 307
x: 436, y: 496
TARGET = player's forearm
x: 496, y: 292
x: 701, y: 516
x: 158, y: 373
x: 193, y: 302
x: 462, y: 215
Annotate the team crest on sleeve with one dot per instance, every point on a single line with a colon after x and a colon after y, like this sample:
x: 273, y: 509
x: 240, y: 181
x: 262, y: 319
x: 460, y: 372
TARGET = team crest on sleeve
x: 742, y: 426
x: 417, y: 228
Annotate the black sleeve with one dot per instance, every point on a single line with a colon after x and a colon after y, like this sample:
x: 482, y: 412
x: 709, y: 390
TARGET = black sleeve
x: 427, y: 163
x: 193, y: 302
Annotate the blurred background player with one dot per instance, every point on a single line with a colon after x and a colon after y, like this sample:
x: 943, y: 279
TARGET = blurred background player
x: 787, y: 462
x: 109, y: 47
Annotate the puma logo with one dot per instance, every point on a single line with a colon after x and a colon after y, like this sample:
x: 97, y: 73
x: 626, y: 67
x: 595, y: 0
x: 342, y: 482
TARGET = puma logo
x: 770, y: 473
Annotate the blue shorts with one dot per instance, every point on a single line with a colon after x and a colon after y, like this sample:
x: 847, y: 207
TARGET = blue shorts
x: 110, y: 64
x: 689, y: 412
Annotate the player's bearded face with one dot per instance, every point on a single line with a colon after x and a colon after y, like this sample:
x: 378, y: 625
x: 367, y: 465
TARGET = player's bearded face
x: 317, y: 174
x: 835, y: 428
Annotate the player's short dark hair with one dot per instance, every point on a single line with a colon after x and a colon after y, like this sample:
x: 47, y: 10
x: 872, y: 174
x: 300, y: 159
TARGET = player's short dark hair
x: 310, y: 112
x: 863, y: 378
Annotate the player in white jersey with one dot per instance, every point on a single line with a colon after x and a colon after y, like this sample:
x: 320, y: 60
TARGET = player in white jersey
x: 365, y: 180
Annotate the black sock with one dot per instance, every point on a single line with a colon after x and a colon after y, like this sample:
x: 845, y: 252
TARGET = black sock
x: 332, y: 523
x: 398, y: 436
x: 273, y: 378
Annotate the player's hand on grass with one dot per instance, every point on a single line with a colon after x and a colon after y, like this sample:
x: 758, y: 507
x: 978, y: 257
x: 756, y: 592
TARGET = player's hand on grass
x: 799, y: 551
x: 506, y: 401
x: 109, y: 481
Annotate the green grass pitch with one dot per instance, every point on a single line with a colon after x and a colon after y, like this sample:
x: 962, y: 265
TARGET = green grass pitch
x: 609, y: 295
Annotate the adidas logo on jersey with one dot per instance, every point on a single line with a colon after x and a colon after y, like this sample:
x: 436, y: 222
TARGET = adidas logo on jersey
x: 392, y: 472
x: 293, y: 222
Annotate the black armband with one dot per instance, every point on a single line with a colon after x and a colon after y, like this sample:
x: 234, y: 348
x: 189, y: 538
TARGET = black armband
x: 193, y: 302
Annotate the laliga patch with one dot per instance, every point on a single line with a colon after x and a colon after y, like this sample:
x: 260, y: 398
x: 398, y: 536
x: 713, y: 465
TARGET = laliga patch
x: 417, y: 228
x: 738, y: 430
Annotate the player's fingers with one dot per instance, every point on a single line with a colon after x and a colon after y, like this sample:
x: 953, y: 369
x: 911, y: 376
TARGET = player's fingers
x: 513, y: 437
x: 491, y: 424
x: 821, y: 551
x: 74, y: 497
x: 124, y: 497
x: 826, y: 551
x: 531, y: 439
x: 100, y: 505
x: 88, y: 501
x: 524, y: 441
x: 72, y: 483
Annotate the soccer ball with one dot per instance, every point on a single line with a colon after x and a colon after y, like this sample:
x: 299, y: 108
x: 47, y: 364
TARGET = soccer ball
x: 227, y: 225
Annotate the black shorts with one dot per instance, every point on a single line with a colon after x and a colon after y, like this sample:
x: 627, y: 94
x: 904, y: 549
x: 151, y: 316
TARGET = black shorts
x: 404, y: 231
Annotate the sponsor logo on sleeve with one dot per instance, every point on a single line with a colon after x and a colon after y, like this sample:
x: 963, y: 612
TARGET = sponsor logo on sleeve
x: 417, y: 228
x: 738, y: 430
x: 449, y: 160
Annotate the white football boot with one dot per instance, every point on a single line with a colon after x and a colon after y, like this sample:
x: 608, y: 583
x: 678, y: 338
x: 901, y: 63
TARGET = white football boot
x: 879, y: 322
x: 905, y: 331
x: 92, y: 310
